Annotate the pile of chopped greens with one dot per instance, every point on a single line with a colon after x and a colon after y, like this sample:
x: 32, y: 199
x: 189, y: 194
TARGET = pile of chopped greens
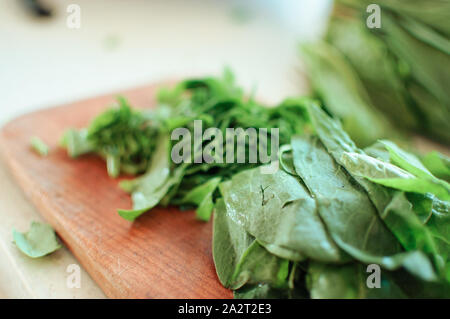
x: 310, y: 229
x: 398, y: 72
x: 134, y: 141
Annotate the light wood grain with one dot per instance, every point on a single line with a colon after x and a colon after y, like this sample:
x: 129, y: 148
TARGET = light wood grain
x: 165, y: 253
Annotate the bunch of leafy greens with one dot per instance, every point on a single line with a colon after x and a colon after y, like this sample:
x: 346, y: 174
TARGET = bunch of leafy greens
x: 139, y: 141
x: 308, y: 230
x: 398, y: 71
x: 312, y: 228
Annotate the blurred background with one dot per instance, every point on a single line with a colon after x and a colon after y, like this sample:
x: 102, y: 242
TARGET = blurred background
x: 122, y: 44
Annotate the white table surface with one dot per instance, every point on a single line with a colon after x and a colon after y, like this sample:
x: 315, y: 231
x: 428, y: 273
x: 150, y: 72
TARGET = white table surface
x: 122, y: 44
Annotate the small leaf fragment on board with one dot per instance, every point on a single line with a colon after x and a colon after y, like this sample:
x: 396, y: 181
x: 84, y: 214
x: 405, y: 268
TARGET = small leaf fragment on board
x: 39, y: 241
x: 39, y: 146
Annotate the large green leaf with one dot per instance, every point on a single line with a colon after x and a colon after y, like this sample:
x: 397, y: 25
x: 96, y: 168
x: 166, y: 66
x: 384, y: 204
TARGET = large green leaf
x: 406, y: 160
x: 392, y: 176
x: 338, y: 143
x: 344, y: 207
x: 240, y: 260
x: 230, y: 241
x: 279, y: 212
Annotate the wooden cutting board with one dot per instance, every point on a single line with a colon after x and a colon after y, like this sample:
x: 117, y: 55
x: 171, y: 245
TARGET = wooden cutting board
x: 165, y: 253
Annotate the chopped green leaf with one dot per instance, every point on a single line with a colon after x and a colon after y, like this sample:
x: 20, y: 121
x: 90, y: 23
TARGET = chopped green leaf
x: 40, y: 240
x: 39, y: 146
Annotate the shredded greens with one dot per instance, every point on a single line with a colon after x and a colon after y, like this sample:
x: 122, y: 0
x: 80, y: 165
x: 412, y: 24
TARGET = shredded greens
x: 309, y: 229
x: 133, y: 141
